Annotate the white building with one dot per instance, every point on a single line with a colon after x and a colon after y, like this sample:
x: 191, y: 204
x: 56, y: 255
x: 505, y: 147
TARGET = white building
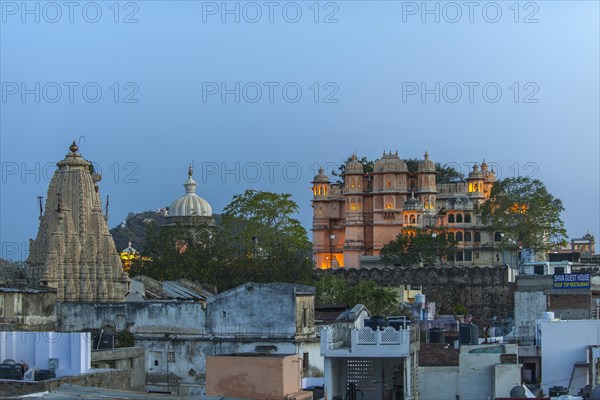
x: 564, y: 352
x: 381, y: 363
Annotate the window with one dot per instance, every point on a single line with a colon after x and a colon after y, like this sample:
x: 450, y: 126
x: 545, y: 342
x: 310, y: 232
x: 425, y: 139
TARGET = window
x: 467, y: 218
x: 451, y: 218
x: 459, y: 236
x: 559, y: 270
x: 459, y: 256
x: 497, y: 237
x: 305, y: 361
x: 459, y: 218
x: 451, y: 235
x: 477, y: 237
x: 477, y: 255
x: 467, y: 236
x: 171, y: 357
x: 468, y: 255
x: 304, y: 317
x: 538, y: 269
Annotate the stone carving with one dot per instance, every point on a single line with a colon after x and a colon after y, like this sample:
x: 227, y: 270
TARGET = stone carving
x: 74, y: 251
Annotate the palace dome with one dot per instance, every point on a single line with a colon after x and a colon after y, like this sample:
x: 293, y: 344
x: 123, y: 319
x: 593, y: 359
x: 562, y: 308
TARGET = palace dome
x: 354, y: 166
x: 426, y: 165
x: 190, y: 204
x: 390, y: 163
x: 321, y: 177
x: 476, y: 173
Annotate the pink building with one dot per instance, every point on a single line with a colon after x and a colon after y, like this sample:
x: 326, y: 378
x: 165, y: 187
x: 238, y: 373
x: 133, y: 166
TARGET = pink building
x: 354, y: 219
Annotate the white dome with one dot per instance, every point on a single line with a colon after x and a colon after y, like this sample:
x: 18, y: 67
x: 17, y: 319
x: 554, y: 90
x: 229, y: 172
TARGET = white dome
x: 190, y: 204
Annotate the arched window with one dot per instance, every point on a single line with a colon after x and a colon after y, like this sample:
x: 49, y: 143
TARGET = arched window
x: 467, y: 236
x: 477, y: 237
x: 450, y: 235
x: 459, y: 236
x: 451, y: 218
x: 458, y: 217
x: 412, y: 219
x: 497, y: 237
x: 467, y: 218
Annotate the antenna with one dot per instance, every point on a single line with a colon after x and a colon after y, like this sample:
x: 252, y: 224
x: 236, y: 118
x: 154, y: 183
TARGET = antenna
x: 40, y: 203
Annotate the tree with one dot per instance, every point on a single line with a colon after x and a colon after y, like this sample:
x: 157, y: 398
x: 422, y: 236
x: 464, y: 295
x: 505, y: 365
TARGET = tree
x: 263, y: 240
x: 526, y: 213
x: 416, y: 245
x: 258, y: 240
x: 380, y: 300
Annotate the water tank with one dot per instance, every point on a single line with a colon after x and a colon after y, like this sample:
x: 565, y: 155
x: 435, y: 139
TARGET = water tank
x: 468, y: 334
x: 436, y: 335
x: 420, y: 298
x: 548, y: 315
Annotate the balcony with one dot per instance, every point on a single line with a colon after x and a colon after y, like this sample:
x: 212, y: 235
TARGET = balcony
x: 388, y: 342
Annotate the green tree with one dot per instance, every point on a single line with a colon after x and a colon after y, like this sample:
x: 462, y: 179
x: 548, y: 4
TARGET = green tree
x: 380, y: 300
x: 416, y: 245
x: 263, y: 240
x: 526, y: 213
x: 258, y: 240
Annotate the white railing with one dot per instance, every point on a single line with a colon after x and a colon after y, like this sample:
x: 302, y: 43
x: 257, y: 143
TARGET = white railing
x: 386, y: 336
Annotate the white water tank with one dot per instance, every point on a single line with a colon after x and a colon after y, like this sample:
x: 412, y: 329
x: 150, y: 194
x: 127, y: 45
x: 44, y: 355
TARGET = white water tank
x: 420, y: 298
x: 548, y: 315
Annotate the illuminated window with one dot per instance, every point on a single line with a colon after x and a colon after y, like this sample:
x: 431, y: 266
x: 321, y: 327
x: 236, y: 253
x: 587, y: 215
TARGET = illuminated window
x: 389, y: 205
x: 389, y: 184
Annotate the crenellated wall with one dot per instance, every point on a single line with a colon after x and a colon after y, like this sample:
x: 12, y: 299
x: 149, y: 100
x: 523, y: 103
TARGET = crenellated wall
x: 484, y: 291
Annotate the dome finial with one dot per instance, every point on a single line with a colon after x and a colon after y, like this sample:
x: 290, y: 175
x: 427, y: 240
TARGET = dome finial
x: 190, y: 170
x: 426, y: 155
x: 73, y: 147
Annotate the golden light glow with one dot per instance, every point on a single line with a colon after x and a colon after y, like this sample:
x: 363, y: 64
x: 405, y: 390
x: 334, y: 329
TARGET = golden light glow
x: 519, y: 208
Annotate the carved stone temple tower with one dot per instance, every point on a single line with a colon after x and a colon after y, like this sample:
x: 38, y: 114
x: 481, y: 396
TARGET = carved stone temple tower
x: 74, y: 251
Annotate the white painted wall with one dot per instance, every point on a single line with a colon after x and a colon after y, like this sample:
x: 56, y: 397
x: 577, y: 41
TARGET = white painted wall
x: 529, y: 307
x: 73, y: 350
x: 563, y: 344
x: 438, y: 383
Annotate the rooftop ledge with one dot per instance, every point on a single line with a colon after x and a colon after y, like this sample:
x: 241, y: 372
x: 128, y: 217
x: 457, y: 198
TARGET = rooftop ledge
x: 340, y: 341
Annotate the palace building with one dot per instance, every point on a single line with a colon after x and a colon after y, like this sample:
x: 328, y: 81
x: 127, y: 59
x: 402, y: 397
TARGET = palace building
x: 355, y: 218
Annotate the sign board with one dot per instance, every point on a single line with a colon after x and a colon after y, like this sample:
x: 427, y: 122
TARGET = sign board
x: 571, y: 281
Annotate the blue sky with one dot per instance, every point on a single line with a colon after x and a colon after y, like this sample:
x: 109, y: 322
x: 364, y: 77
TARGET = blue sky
x: 259, y: 94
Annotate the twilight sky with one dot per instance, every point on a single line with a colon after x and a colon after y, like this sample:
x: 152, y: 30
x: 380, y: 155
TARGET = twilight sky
x: 258, y: 94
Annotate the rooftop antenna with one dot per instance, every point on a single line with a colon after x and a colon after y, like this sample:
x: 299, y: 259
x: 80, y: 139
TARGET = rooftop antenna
x: 40, y: 204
